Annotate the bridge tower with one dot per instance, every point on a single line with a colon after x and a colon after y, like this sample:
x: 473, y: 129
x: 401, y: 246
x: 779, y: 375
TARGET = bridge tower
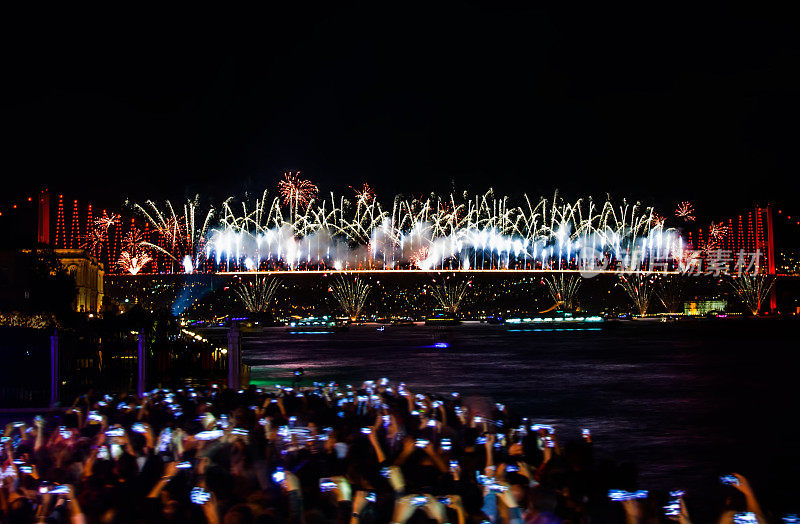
x: 773, y: 298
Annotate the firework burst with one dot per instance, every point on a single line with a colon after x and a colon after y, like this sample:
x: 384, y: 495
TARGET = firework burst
x: 435, y: 233
x: 257, y: 295
x: 563, y: 289
x: 366, y: 194
x: 670, y: 290
x: 133, y: 263
x: 134, y: 240
x: 656, y: 220
x: 685, y: 210
x: 351, y: 295
x: 296, y: 192
x: 752, y: 289
x: 107, y: 221
x: 182, y: 233
x: 450, y: 294
x: 718, y: 231
x: 639, y: 288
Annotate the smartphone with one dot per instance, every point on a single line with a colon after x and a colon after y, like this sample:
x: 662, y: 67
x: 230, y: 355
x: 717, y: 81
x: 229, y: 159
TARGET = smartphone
x: 446, y: 444
x: 478, y: 419
x: 586, y: 433
x: 209, y: 435
x: 729, y: 479
x: 453, y: 464
x: 115, y: 432
x: 139, y: 428
x: 672, y: 509
x: 511, y: 468
x: 199, y: 496
x: 163, y: 442
x: 745, y: 517
x: 421, y: 443
x: 59, y: 490
x: 419, y: 501
x: 618, y: 495
x: 445, y: 500
x: 480, y: 440
x: 370, y: 497
x: 279, y: 475
x: 26, y: 469
x: 239, y: 431
x: 95, y: 416
x: 386, y: 473
x: 102, y: 453
x: 432, y: 423
x: 184, y: 465
x: 496, y: 488
x: 326, y: 484
x: 366, y: 431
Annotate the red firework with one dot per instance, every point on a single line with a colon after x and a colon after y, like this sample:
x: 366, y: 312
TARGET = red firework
x: 366, y: 193
x: 133, y: 263
x: 134, y: 241
x: 718, y: 231
x: 656, y: 220
x: 296, y: 191
x: 685, y: 210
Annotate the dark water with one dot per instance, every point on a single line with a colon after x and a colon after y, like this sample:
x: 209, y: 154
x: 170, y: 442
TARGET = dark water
x: 684, y: 402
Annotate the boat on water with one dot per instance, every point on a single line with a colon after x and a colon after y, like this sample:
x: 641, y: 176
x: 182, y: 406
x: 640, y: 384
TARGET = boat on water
x: 558, y: 321
x: 315, y: 325
x: 442, y: 319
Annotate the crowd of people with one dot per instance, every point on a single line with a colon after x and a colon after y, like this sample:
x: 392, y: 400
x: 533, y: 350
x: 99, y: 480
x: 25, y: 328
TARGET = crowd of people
x: 323, y: 453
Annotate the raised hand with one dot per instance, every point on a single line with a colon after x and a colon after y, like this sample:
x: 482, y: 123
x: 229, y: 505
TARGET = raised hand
x: 403, y: 509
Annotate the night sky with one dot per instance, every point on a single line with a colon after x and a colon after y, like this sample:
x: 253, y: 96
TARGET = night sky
x: 659, y: 102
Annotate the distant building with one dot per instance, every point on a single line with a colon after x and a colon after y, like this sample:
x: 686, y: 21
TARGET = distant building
x: 16, y: 276
x: 702, y: 307
x: 88, y: 274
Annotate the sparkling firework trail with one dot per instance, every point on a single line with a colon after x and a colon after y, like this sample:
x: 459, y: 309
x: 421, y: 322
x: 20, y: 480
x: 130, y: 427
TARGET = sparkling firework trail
x: 183, y: 236
x: 639, y: 288
x: 296, y: 192
x: 365, y: 194
x: 685, y: 210
x: 133, y: 264
x: 718, y: 231
x: 351, y: 295
x: 670, y: 290
x: 450, y: 294
x: 752, y: 289
x: 436, y: 233
x: 106, y: 221
x: 257, y: 295
x: 563, y: 289
x: 134, y: 241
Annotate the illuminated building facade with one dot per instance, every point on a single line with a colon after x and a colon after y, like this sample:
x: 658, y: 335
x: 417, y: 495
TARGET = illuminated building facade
x: 88, y: 274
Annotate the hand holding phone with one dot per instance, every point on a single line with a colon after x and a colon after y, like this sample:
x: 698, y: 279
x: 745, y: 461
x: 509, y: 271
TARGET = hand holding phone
x: 729, y: 479
x: 279, y: 475
x: 199, y: 496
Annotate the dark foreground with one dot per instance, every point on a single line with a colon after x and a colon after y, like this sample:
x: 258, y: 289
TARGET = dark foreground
x: 683, y: 402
